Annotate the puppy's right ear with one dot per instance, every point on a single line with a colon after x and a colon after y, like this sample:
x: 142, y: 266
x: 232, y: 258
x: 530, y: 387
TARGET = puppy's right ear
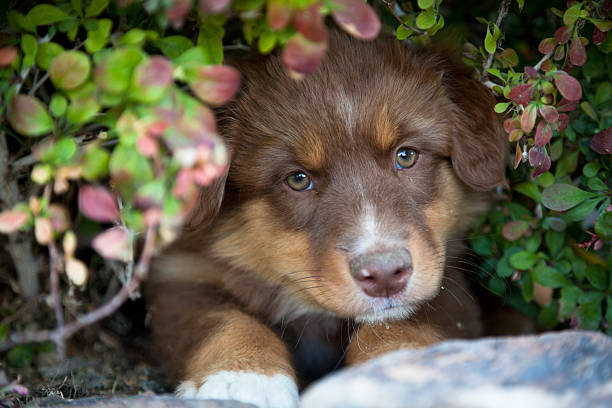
x: 208, y: 204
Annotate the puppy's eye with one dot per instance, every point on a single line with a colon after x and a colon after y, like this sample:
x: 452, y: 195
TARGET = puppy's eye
x: 405, y: 158
x: 299, y: 181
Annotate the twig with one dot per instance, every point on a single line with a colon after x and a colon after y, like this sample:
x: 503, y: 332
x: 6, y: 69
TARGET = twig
x: 540, y: 62
x: 38, y: 83
x: 503, y: 10
x: 60, y: 334
x: 389, y: 5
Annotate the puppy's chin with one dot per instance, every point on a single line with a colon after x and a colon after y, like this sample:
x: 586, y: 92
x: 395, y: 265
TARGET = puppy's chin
x: 385, y: 310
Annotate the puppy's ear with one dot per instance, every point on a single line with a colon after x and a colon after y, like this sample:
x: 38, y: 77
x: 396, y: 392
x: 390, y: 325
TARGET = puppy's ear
x: 479, y: 145
x: 208, y: 204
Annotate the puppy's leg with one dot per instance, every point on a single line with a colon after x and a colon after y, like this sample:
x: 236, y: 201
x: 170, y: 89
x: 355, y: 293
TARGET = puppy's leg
x: 217, y: 351
x: 370, y: 340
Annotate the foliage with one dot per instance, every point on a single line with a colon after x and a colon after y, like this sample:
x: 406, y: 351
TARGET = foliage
x: 109, y: 109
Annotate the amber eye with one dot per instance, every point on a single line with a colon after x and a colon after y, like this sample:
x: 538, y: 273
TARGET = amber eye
x: 299, y: 181
x: 405, y: 158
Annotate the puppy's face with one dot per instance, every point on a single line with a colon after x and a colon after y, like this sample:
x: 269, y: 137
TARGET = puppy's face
x: 345, y: 187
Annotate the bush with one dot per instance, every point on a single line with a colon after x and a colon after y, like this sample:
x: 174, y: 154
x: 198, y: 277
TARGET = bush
x: 108, y: 132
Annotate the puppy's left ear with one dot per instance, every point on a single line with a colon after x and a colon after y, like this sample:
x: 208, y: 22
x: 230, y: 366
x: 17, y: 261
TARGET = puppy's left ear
x: 479, y: 145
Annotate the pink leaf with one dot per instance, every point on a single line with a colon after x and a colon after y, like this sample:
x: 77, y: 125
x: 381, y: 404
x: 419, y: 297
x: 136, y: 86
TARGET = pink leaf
x: 43, y: 230
x: 278, y: 13
x: 76, y: 271
x: 528, y: 118
x: 356, y: 18
x: 177, y: 12
x: 566, y: 105
x: 547, y: 45
x: 310, y: 24
x: 98, y: 204
x: 8, y: 55
x: 563, y: 34
x: 511, y: 124
x: 114, y: 243
x: 539, y: 159
x: 303, y: 56
x: 543, y: 134
x: 577, y: 53
x: 147, y: 145
x: 568, y: 86
x: 521, y: 94
x: 12, y: 220
x: 213, y: 6
x: 549, y: 113
x: 216, y: 84
x: 602, y: 142
x: 531, y: 71
x: 515, y: 135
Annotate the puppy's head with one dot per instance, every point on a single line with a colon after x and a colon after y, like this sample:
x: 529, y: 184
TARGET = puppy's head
x: 345, y: 187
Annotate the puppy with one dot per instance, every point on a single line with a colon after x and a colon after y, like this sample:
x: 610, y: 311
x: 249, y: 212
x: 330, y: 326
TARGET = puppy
x: 332, y: 236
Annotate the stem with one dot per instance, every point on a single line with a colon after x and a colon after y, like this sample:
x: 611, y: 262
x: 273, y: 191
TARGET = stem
x: 540, y: 62
x: 54, y: 262
x: 389, y: 5
x: 60, y: 334
x: 503, y: 10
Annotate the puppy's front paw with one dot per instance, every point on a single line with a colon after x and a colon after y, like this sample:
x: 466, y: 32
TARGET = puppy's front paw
x: 276, y: 391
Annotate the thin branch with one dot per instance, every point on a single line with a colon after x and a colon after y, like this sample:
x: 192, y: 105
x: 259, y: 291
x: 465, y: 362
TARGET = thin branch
x: 540, y: 62
x: 38, y: 84
x: 60, y: 334
x: 503, y: 10
x: 389, y: 5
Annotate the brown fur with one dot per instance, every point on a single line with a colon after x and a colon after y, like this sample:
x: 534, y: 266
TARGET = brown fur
x: 261, y: 268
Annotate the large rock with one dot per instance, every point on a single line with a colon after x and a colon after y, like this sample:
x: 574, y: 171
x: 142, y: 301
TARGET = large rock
x: 568, y: 369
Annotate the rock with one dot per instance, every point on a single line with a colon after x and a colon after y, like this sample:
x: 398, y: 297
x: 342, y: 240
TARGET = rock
x: 556, y: 370
x: 143, y: 401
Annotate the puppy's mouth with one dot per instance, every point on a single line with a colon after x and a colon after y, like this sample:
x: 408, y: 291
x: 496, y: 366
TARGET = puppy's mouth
x: 381, y: 310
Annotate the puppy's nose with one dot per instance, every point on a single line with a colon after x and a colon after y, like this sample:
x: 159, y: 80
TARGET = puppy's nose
x: 382, y: 274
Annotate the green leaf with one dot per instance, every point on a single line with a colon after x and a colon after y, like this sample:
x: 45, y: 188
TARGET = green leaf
x: 97, y: 39
x: 173, y: 46
x: 504, y: 270
x: 579, y: 269
x: 266, y: 42
x: 210, y: 41
x: 45, y: 14
x: 29, y: 117
x: 546, y: 179
x: 501, y: 107
x: 554, y: 241
x: 4, y: 328
x: 591, y: 169
x: 490, y: 42
x: 20, y: 356
x: 603, y: 226
x: 46, y: 53
x: 549, y: 277
x: 596, y: 274
x: 95, y: 7
x: 497, y: 286
x: 77, y: 5
x: 589, y: 315
x: 425, y: 4
x: 528, y: 189
x: 114, y: 72
x: 581, y: 211
x: 426, y: 19
x: 401, y: 32
x: 247, y: 5
x: 595, y: 183
x: 561, y: 197
x: 572, y: 14
x: 547, y: 318
x: 95, y: 163
x: 129, y: 169
x: 70, y: 69
x: 568, y: 301
x: 602, y: 25
x: 603, y: 93
x: 567, y: 164
x: 523, y: 260
x: 482, y: 246
x: 533, y: 243
x: 58, y: 105
x: 135, y: 36
x: 29, y: 45
x: 60, y: 153
x: 527, y: 288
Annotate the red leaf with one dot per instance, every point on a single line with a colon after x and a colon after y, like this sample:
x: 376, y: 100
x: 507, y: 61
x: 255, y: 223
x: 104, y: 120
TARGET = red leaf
x: 528, y: 118
x: 599, y: 36
x: 549, y: 113
x: 513, y: 230
x: 309, y: 23
x: 278, y: 13
x: 356, y: 18
x: 302, y: 56
x: 563, y: 34
x: 559, y: 53
x: 539, y: 159
x: 511, y: 124
x: 547, y: 45
x: 515, y: 135
x: 543, y: 134
x: 562, y: 122
x: 566, y: 105
x: 12, y: 220
x: 531, y: 71
x: 577, y: 52
x: 213, y: 6
x: 602, y: 142
x: 114, y: 243
x: 518, y: 156
x: 8, y: 55
x: 568, y: 86
x: 98, y: 204
x: 521, y: 94
x: 216, y: 84
x: 546, y: 65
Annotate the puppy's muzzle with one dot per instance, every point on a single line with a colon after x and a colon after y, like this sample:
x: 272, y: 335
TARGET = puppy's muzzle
x: 382, y: 274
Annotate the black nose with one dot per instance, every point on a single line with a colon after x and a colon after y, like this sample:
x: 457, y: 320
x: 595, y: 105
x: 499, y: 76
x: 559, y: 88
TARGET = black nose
x: 382, y: 274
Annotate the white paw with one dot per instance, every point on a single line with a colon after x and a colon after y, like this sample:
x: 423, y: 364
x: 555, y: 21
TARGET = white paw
x: 276, y: 391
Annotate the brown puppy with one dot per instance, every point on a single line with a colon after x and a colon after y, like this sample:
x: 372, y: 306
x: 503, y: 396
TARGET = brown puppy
x: 330, y: 236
